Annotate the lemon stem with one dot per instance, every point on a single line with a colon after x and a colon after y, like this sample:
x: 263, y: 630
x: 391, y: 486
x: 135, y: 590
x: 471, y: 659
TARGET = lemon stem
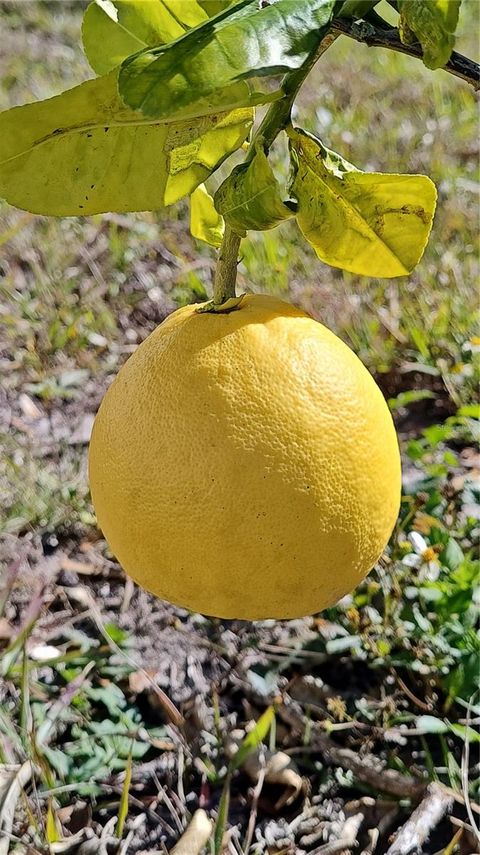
x: 226, y: 269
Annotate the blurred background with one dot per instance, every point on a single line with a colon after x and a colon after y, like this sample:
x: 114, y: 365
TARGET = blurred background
x: 391, y: 672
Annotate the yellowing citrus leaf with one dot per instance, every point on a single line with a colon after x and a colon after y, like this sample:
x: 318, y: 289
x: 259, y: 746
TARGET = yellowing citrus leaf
x: 236, y: 59
x: 205, y: 221
x: 373, y: 224
x: 213, y: 7
x: 84, y: 152
x: 53, y: 829
x: 115, y: 29
x: 250, y: 197
x: 433, y: 24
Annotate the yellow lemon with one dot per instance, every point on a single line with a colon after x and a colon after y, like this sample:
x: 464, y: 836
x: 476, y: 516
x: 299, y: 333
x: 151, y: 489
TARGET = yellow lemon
x: 245, y: 465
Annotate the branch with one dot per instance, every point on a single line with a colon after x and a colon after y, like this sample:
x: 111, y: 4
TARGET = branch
x: 365, y: 33
x: 274, y: 121
x: 277, y: 116
x: 422, y: 822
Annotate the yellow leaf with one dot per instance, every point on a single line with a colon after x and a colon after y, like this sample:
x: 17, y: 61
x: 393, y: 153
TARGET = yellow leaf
x: 84, y: 152
x: 205, y: 222
x: 373, y: 224
x: 114, y: 30
x: 251, y: 197
x: 53, y: 830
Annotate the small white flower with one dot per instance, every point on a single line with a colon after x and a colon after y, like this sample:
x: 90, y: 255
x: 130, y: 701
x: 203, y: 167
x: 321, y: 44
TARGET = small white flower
x: 44, y: 652
x: 423, y: 558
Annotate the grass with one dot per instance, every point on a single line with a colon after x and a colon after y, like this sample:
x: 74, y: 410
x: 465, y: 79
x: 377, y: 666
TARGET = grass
x: 392, y: 671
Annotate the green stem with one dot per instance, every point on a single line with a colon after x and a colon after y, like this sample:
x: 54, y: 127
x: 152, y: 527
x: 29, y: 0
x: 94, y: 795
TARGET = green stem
x: 226, y: 269
x: 277, y: 116
x: 275, y: 120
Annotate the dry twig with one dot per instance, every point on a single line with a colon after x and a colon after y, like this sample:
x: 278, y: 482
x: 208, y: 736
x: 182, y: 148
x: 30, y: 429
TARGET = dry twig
x: 348, y: 839
x: 458, y: 65
x: 196, y: 836
x: 423, y: 820
x: 381, y: 779
x: 13, y: 779
x: 253, y: 811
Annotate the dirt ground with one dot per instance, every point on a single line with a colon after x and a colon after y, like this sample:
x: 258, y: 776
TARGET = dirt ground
x: 376, y: 721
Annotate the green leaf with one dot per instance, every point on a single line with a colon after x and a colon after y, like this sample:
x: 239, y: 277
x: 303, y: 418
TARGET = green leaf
x: 84, y: 152
x: 373, y: 224
x: 468, y: 734
x: 470, y: 411
x: 356, y: 8
x: 452, y: 555
x: 111, y: 31
x: 431, y: 724
x: 213, y: 7
x: 235, y: 59
x: 110, y: 695
x: 116, y: 633
x: 205, y: 221
x: 250, y: 197
x: 222, y: 817
x: 433, y: 24
x: 412, y: 396
x: 253, y: 738
x: 57, y: 760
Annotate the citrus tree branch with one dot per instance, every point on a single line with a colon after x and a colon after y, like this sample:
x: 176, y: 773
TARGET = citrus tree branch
x: 368, y: 34
x: 275, y: 120
x: 278, y: 115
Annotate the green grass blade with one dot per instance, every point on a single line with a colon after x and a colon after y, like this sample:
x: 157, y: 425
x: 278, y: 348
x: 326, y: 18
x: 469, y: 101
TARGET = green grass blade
x: 222, y: 817
x: 123, y: 809
x: 253, y: 738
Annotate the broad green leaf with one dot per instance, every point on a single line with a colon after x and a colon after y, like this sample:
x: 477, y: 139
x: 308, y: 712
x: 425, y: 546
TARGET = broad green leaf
x: 205, y: 221
x: 452, y: 555
x: 369, y: 223
x: 57, y: 759
x: 250, y: 197
x: 253, y: 739
x: 84, y: 152
x: 433, y: 24
x: 111, y: 31
x: 235, y: 59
